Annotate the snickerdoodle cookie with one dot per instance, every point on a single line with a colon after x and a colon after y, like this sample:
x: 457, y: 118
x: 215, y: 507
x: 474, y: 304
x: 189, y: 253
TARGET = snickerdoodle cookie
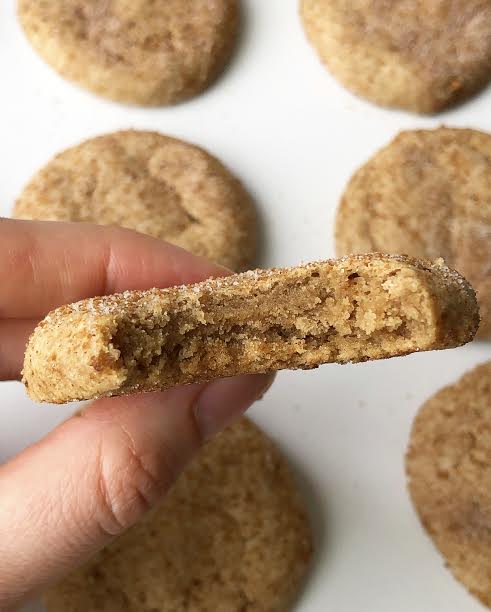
x: 352, y: 309
x: 136, y: 51
x: 449, y: 470
x: 232, y: 535
x: 150, y: 183
x: 420, y: 55
x: 427, y: 194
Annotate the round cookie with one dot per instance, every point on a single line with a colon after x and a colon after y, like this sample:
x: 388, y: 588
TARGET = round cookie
x: 231, y: 535
x: 427, y: 194
x: 139, y: 51
x: 150, y: 183
x: 419, y: 55
x: 449, y: 469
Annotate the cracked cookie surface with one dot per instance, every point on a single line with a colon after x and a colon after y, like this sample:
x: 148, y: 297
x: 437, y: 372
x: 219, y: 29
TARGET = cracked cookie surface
x: 135, y: 51
x: 231, y: 536
x: 449, y: 471
x: 427, y: 194
x: 151, y: 183
x: 420, y: 55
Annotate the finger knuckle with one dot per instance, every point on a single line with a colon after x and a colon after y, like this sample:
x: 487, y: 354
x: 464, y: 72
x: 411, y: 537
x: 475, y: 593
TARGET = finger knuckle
x: 128, y: 484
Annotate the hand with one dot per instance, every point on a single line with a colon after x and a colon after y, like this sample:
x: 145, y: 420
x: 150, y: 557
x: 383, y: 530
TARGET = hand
x: 67, y: 496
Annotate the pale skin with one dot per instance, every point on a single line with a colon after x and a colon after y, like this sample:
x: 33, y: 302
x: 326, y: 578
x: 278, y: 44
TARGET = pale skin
x: 94, y: 476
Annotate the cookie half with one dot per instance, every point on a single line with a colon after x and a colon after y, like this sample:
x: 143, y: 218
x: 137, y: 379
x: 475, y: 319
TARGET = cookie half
x: 427, y: 194
x: 449, y: 470
x: 140, y: 52
x: 353, y: 309
x: 419, y: 55
x: 151, y: 183
x: 232, y: 535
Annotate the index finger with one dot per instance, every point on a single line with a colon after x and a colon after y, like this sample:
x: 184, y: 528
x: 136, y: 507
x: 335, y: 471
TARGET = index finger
x: 46, y: 264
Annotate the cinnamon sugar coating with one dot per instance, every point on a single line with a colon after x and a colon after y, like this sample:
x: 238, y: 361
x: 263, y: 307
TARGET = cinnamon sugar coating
x: 348, y: 310
x: 135, y: 51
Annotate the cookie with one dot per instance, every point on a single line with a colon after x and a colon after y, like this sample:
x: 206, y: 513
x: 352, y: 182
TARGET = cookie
x: 353, y: 309
x: 419, y: 55
x: 449, y: 470
x: 150, y: 183
x: 139, y: 52
x: 427, y: 194
x: 232, y: 535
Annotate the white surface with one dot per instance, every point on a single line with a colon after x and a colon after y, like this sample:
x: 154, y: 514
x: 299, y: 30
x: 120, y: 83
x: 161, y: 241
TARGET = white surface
x: 294, y: 136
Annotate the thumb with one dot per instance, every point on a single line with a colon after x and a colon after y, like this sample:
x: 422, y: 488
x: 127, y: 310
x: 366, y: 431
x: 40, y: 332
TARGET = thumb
x: 67, y: 496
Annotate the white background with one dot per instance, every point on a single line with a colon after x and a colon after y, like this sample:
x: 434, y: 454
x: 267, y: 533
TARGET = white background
x: 294, y: 136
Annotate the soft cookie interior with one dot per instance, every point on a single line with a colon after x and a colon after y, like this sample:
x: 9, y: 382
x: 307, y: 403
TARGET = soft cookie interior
x: 359, y: 308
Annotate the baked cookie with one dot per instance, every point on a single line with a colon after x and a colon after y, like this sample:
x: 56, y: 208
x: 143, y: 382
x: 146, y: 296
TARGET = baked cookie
x: 449, y: 469
x: 420, y: 55
x: 232, y: 535
x: 353, y: 309
x: 139, y: 51
x: 150, y: 183
x: 427, y: 194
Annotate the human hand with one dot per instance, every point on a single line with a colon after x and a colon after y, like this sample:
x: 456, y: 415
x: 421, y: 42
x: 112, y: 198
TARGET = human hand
x: 94, y: 476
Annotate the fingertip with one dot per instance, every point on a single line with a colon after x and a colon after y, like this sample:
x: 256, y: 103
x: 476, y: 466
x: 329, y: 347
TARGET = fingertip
x: 223, y: 401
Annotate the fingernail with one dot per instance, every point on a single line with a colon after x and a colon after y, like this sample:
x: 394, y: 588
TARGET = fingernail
x: 223, y: 401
